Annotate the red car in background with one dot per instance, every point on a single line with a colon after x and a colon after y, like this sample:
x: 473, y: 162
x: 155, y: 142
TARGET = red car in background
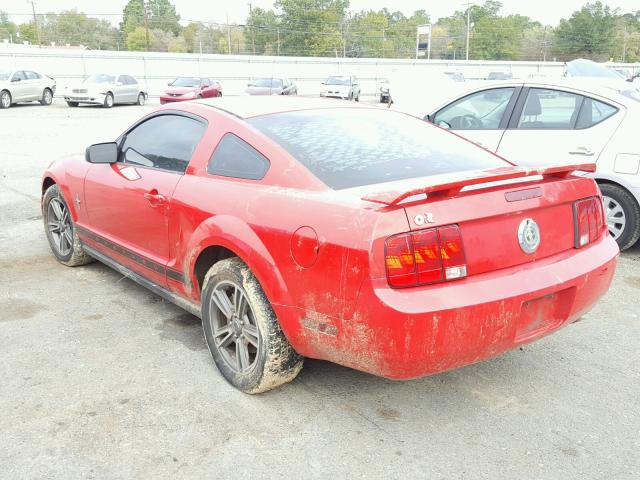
x: 305, y: 228
x: 189, y: 88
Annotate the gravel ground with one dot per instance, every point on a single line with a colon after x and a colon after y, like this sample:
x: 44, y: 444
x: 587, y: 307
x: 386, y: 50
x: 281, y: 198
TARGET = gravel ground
x: 102, y: 379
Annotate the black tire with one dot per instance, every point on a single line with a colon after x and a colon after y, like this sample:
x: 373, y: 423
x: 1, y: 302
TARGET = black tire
x: 5, y: 99
x: 73, y: 104
x: 219, y: 94
x: 108, y: 100
x: 272, y: 361
x: 74, y: 255
x: 47, y: 97
x: 357, y: 99
x: 142, y: 98
x: 631, y: 211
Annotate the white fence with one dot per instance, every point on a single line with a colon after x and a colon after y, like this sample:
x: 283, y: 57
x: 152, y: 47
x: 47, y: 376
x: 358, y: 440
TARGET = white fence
x: 68, y: 66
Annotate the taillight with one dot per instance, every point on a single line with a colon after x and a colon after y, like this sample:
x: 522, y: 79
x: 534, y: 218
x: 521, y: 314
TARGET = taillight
x: 588, y: 221
x: 425, y: 257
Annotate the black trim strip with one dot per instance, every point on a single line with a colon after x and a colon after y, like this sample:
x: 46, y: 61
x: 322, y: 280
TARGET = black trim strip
x: 125, y: 252
x: 190, y: 307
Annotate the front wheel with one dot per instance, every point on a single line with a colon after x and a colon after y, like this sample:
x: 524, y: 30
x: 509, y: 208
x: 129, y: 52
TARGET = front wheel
x: 60, y: 230
x: 73, y: 104
x: 242, y: 331
x: 142, y: 98
x: 108, y: 101
x: 622, y: 214
x: 47, y: 97
x: 5, y: 99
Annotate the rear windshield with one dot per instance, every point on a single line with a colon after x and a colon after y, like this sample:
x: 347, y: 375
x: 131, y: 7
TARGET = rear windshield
x: 354, y: 147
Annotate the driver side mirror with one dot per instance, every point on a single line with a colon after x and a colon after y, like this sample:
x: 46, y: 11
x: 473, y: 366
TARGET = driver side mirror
x: 119, y: 84
x: 14, y: 79
x: 102, y: 153
x: 443, y: 124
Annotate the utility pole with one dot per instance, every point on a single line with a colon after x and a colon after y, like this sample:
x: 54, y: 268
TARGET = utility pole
x: 278, y: 30
x: 253, y: 32
x: 146, y: 23
x: 228, y: 35
x: 624, y: 44
x: 469, y: 5
x: 35, y: 20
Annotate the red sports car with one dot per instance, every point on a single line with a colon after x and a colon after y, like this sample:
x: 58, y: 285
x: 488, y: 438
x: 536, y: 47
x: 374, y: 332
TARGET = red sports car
x: 190, y: 88
x: 310, y: 228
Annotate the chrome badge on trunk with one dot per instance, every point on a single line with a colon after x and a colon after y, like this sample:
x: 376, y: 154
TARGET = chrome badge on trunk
x: 529, y: 235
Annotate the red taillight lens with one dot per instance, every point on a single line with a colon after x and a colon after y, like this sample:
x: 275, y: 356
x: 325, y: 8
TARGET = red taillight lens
x: 425, y: 257
x: 588, y: 221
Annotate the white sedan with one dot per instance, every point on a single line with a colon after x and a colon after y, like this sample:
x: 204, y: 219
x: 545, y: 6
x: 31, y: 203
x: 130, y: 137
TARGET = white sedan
x: 564, y: 120
x: 25, y: 86
x: 107, y: 90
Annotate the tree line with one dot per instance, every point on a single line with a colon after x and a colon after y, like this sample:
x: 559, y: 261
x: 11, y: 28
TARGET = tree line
x: 329, y: 28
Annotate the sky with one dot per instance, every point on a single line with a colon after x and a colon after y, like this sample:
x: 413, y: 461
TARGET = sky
x: 549, y: 12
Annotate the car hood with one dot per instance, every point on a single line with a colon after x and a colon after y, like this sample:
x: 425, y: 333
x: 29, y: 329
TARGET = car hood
x: 180, y: 90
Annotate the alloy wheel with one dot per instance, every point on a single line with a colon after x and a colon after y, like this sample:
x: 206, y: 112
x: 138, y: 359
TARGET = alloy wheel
x: 615, y: 216
x: 60, y: 228
x: 5, y: 99
x: 47, y: 97
x: 233, y: 327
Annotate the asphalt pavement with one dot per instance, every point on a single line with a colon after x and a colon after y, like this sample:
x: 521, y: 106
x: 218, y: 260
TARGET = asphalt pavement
x: 100, y: 378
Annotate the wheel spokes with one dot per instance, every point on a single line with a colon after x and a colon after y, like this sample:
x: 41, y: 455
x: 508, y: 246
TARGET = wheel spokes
x: 250, y: 333
x: 242, y: 354
x: 221, y: 300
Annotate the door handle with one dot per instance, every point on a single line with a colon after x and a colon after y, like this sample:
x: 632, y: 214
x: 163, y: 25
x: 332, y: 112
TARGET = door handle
x: 154, y: 198
x: 582, y: 151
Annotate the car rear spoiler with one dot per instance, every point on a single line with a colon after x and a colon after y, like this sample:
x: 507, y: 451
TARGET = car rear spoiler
x: 452, y: 184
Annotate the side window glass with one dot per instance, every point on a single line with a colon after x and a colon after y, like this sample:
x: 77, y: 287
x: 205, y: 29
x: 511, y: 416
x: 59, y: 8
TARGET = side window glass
x: 122, y: 79
x: 19, y: 75
x: 166, y: 142
x: 233, y: 157
x: 32, y: 75
x: 594, y: 112
x: 479, y: 111
x: 130, y: 80
x: 206, y: 82
x: 550, y: 109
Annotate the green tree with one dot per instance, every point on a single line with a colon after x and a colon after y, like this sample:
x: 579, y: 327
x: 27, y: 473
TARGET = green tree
x: 76, y: 28
x: 312, y: 27
x: 132, y: 16
x: 178, y: 45
x: 590, y: 32
x: 262, y: 28
x: 8, y: 29
x: 163, y: 16
x: 136, y: 40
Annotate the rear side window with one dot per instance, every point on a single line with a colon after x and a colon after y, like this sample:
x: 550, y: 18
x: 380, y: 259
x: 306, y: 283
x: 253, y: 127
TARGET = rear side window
x: 362, y: 146
x: 233, y: 157
x: 550, y: 109
x: 594, y: 112
x: 129, y: 80
x: 33, y: 75
x: 166, y: 142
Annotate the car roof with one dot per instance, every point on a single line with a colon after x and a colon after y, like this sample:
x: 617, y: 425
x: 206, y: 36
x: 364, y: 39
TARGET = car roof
x: 594, y: 86
x: 247, y: 106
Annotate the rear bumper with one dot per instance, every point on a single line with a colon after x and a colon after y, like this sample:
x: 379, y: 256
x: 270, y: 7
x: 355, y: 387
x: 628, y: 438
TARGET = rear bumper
x: 409, y: 333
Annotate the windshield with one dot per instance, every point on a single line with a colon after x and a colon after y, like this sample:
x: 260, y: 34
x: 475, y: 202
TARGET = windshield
x: 267, y: 82
x: 338, y: 81
x: 5, y: 75
x: 100, y: 78
x: 354, y: 147
x: 587, y: 68
x: 186, y: 82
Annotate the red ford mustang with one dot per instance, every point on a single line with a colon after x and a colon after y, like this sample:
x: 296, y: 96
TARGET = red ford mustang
x: 307, y: 228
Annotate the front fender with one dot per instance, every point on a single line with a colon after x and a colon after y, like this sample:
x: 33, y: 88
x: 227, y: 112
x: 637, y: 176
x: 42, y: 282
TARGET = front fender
x: 237, y: 236
x: 68, y: 173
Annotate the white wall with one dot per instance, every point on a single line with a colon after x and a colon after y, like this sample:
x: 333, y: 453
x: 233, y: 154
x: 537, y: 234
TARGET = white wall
x: 68, y: 66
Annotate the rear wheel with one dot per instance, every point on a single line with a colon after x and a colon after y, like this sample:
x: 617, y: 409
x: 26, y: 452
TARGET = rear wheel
x: 622, y: 214
x: 60, y: 230
x: 73, y: 104
x: 108, y: 100
x: 141, y: 99
x: 47, y: 97
x: 242, y: 331
x: 5, y: 99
